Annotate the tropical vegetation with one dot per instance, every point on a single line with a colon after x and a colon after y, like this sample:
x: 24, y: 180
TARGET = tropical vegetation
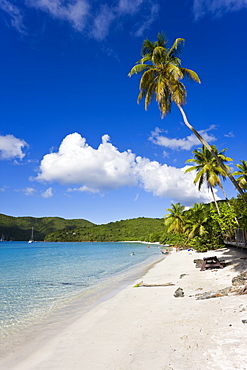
x: 19, y: 228
x: 162, y: 72
x: 139, y: 229
x: 242, y: 174
x: 202, y: 228
x: 207, y: 169
x: 199, y: 227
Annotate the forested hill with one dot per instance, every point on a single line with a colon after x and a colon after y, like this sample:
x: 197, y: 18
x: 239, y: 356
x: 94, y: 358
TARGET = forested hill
x: 143, y: 229
x: 19, y: 228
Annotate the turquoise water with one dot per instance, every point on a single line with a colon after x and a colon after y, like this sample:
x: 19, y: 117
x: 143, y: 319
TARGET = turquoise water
x: 38, y: 278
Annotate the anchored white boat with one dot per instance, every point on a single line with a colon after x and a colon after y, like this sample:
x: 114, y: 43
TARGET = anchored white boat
x: 30, y: 241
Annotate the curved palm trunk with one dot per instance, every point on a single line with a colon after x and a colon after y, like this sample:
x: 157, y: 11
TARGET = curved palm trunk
x: 215, y: 201
x: 204, y: 142
x: 223, y: 191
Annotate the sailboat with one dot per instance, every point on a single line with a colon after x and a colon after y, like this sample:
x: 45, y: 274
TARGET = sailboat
x: 31, y: 239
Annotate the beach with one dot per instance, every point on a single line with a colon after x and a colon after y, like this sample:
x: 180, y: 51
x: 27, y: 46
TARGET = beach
x: 147, y: 327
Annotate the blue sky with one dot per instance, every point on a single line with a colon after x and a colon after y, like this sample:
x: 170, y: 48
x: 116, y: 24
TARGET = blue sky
x: 73, y: 141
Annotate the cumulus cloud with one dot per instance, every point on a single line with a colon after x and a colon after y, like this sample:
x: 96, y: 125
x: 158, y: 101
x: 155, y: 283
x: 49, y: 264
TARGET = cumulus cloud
x: 185, y: 143
x: 14, y: 14
x: 11, y: 147
x: 106, y: 168
x: 78, y: 163
x: 216, y: 7
x: 93, y: 18
x: 170, y: 182
x: 48, y: 193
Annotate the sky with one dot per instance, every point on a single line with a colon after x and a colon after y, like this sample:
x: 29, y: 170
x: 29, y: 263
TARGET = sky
x: 74, y: 143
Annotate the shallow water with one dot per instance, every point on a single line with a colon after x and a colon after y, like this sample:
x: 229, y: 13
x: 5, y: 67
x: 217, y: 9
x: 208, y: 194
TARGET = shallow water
x: 36, y: 279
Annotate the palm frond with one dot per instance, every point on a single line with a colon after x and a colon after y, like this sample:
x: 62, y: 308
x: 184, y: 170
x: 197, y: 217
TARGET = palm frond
x: 162, y: 40
x: 167, y: 72
x: 175, y: 71
x: 178, y: 92
x: 149, y: 94
x: 147, y: 47
x: 175, y: 61
x: 159, y: 55
x: 165, y: 106
x: 161, y: 88
x: 138, y: 68
x: 191, y: 75
x: 176, y: 48
x: 147, y: 78
x: 191, y: 168
x: 145, y: 58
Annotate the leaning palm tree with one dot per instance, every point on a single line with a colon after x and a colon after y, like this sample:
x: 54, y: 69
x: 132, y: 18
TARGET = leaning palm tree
x: 174, y: 220
x: 162, y: 73
x: 207, y: 169
x: 242, y: 173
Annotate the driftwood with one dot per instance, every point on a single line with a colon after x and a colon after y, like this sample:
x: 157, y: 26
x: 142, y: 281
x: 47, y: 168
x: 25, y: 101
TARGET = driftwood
x: 151, y: 285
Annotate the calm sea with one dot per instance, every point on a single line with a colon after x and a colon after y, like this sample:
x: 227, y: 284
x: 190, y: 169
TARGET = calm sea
x: 36, y: 279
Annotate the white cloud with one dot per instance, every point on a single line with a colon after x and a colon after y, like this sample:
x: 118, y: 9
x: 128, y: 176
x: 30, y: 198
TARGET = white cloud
x: 129, y: 6
x: 83, y: 189
x: 14, y: 13
x: 48, y: 193
x: 217, y: 7
x: 136, y: 197
x: 106, y: 168
x: 96, y: 169
x: 154, y: 11
x: 230, y: 134
x: 75, y: 12
x: 102, y: 22
x: 170, y: 182
x: 29, y: 191
x: 92, y: 18
x: 4, y: 188
x: 11, y: 147
x: 108, y: 14
x: 185, y: 143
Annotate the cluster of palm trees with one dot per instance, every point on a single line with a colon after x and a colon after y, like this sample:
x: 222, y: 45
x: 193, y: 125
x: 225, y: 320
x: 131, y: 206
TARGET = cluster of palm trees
x: 162, y: 73
x: 201, y: 227
x: 208, y: 171
x: 191, y: 222
x: 200, y: 221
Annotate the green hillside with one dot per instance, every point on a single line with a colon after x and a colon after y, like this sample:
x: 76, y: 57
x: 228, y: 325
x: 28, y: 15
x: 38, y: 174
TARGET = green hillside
x: 148, y: 229
x: 19, y: 228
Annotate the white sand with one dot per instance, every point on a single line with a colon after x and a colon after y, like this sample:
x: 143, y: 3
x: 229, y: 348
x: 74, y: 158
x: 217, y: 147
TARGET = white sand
x: 147, y: 328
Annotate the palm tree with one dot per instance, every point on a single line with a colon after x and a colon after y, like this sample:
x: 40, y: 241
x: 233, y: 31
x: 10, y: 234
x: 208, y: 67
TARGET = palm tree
x: 162, y: 73
x: 207, y: 169
x: 242, y: 173
x: 196, y: 220
x: 175, y: 220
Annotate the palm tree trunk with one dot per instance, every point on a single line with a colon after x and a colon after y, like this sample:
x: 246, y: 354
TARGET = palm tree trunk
x: 215, y: 202
x: 204, y: 142
x: 227, y: 200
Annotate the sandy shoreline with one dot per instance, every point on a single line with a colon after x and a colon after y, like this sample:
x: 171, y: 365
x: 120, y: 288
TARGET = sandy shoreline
x: 148, y: 328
